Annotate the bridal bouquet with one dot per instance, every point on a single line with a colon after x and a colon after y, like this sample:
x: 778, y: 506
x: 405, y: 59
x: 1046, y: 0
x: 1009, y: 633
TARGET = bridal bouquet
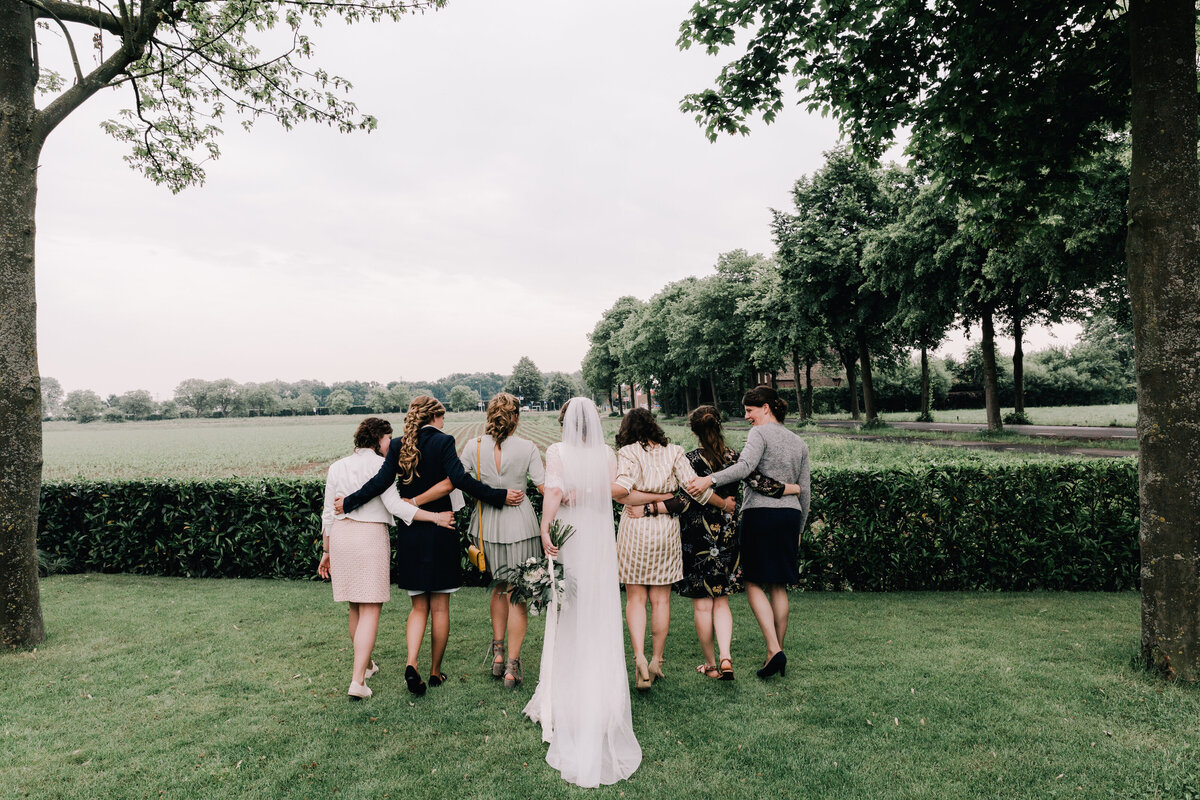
x: 530, y: 581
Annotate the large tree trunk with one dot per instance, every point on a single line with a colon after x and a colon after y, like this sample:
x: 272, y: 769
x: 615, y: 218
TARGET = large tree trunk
x: 20, y: 387
x: 864, y: 358
x: 712, y: 381
x: 925, y: 415
x: 796, y: 384
x: 1018, y: 365
x: 849, y: 359
x: 1163, y: 252
x: 991, y: 389
x: 620, y: 401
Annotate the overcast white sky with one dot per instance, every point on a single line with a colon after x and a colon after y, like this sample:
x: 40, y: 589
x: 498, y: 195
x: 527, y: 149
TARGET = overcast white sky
x: 531, y: 166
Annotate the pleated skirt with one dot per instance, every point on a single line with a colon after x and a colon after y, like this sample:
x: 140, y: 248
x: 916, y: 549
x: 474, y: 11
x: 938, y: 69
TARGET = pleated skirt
x: 512, y: 554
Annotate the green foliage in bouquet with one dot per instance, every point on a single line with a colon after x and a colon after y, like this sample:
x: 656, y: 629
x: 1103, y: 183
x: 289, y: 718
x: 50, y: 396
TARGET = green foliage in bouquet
x: 534, y: 581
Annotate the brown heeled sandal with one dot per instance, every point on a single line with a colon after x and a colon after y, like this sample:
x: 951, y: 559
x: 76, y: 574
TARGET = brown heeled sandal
x: 726, y: 671
x: 512, y: 673
x: 709, y: 671
x: 494, y: 649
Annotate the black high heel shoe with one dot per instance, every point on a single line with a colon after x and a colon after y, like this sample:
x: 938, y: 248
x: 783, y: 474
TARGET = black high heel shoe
x: 412, y: 679
x: 778, y: 663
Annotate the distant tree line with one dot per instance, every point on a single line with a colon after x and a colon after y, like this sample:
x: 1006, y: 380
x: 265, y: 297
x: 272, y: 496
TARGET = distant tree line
x: 877, y: 262
x: 197, y: 397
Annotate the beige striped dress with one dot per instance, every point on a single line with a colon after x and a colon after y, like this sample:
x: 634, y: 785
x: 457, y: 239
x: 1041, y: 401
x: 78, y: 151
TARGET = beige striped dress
x: 648, y: 549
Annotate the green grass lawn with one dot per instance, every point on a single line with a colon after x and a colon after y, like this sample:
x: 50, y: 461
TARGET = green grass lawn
x: 306, y: 446
x: 151, y: 687
x: 1007, y: 436
x: 1124, y: 414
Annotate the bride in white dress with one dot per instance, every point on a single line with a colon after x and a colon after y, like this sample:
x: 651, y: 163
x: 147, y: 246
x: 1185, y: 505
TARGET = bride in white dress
x: 582, y: 697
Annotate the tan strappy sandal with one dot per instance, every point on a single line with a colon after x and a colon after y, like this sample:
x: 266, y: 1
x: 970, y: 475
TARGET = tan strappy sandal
x: 494, y: 649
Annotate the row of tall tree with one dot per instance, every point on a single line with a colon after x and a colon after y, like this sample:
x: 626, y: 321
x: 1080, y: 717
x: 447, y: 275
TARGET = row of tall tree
x: 874, y: 262
x: 1009, y: 108
x: 197, y: 397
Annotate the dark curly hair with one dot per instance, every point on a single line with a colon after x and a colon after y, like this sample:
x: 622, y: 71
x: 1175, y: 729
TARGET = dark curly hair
x: 705, y: 422
x: 639, y: 426
x: 766, y: 396
x: 370, y: 431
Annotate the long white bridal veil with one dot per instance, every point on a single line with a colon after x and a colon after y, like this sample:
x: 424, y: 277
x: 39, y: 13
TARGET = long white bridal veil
x: 590, y: 727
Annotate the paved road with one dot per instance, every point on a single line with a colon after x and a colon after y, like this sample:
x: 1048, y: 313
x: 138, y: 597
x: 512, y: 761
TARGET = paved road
x: 1048, y: 431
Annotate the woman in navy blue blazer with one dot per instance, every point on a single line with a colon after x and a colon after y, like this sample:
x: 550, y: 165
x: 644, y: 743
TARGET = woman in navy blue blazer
x: 428, y: 558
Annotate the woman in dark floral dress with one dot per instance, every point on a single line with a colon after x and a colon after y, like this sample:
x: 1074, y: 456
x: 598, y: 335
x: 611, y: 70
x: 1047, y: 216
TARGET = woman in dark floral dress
x: 711, y: 551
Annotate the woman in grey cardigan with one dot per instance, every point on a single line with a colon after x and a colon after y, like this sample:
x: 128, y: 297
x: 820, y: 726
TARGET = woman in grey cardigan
x: 510, y: 534
x: 771, y: 526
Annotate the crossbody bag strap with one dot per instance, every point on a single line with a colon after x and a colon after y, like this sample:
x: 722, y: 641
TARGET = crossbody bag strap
x: 479, y: 475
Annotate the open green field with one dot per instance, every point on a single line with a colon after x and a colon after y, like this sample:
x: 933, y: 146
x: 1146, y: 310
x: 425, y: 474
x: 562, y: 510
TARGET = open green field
x: 305, y: 446
x: 1124, y: 415
x: 154, y: 687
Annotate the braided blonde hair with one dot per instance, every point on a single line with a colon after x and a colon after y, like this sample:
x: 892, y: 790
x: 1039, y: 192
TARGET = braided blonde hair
x: 503, y: 414
x: 421, y: 410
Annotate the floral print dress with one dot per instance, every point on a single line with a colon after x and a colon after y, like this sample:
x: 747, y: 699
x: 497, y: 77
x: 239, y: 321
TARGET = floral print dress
x: 711, y: 552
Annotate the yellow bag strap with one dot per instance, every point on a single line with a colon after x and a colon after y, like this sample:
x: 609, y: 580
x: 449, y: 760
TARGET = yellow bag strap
x: 479, y: 475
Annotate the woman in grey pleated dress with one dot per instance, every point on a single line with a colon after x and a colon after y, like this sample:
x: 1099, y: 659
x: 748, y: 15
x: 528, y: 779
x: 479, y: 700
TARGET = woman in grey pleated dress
x: 511, y: 534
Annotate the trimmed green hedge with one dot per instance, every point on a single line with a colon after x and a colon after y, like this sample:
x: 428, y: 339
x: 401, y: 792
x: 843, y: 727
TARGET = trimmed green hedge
x: 1065, y: 525
x: 1070, y: 525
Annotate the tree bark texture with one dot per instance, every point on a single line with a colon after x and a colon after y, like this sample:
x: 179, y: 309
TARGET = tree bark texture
x: 864, y: 358
x: 924, y: 382
x: 849, y: 361
x: 20, y: 387
x: 1018, y: 365
x: 991, y: 389
x: 808, y: 391
x: 796, y: 384
x: 1163, y: 253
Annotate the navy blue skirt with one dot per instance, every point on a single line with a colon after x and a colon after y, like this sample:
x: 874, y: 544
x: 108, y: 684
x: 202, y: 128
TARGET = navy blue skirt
x: 770, y: 540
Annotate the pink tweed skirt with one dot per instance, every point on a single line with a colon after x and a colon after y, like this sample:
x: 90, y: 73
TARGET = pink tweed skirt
x: 360, y: 555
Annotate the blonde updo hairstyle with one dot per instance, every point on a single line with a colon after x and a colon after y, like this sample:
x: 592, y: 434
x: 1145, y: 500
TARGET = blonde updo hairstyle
x: 503, y: 414
x: 421, y: 411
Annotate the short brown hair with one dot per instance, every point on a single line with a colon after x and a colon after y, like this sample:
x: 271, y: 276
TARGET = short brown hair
x: 370, y: 431
x: 639, y: 426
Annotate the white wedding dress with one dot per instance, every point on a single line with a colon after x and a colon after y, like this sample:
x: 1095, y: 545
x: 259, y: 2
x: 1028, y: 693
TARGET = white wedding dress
x: 582, y: 696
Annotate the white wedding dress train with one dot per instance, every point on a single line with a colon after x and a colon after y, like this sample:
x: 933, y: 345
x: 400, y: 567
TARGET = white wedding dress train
x: 582, y: 696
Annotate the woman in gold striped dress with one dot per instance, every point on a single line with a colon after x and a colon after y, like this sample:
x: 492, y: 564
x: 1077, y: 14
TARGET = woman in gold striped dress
x: 649, y: 554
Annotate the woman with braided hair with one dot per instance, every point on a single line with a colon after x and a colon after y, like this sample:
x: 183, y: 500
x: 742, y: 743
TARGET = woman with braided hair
x: 428, y: 558
x: 510, y: 534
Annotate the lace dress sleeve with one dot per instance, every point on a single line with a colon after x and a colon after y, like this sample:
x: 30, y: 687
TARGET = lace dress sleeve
x: 553, y: 468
